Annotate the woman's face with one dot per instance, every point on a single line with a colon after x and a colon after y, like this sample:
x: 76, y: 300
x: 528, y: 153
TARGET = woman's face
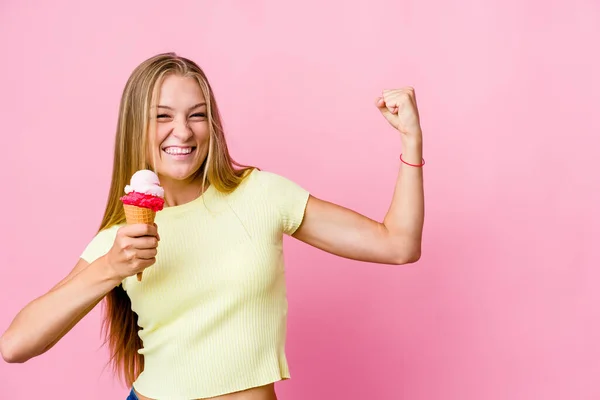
x: 182, y: 135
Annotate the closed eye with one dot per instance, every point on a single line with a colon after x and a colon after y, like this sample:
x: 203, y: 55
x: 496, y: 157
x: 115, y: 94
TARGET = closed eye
x: 199, y: 115
x: 159, y: 116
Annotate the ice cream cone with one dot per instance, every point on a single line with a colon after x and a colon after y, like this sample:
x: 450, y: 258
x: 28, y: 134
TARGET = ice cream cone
x: 139, y: 215
x: 144, y: 197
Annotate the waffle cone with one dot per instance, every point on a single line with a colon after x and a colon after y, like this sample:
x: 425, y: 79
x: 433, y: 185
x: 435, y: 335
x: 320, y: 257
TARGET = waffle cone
x: 138, y: 215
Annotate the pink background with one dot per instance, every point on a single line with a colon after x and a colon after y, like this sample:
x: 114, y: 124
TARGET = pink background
x: 504, y: 303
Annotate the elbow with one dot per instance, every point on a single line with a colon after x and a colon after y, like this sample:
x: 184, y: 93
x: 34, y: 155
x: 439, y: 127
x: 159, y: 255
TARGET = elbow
x: 10, y: 352
x: 406, y: 254
x: 402, y: 248
x: 407, y: 258
x: 413, y: 257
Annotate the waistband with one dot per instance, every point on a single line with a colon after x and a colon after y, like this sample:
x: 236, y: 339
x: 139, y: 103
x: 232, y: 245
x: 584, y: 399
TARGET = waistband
x: 132, y: 395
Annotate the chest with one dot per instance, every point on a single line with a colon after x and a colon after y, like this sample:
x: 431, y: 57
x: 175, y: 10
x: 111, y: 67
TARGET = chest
x: 208, y: 259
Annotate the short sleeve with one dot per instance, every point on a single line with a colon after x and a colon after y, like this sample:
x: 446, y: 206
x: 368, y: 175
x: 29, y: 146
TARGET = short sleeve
x: 100, y: 244
x: 288, y: 198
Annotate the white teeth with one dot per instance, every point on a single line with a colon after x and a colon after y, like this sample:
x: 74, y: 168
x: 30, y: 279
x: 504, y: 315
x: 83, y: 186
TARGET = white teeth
x: 178, y: 150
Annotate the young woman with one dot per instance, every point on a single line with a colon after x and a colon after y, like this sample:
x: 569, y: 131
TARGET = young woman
x: 208, y: 318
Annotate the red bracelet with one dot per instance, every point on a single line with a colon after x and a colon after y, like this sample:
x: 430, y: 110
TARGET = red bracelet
x: 412, y: 165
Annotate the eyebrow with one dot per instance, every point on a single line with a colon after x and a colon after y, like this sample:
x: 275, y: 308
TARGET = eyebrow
x: 190, y: 109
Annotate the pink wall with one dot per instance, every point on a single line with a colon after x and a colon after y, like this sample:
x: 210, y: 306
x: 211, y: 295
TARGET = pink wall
x: 504, y: 303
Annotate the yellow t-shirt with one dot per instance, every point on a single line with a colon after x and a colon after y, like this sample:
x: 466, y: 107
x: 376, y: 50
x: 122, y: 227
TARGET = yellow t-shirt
x: 212, y: 309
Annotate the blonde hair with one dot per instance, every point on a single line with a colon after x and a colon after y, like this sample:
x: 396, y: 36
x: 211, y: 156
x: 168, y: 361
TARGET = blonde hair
x: 135, y: 127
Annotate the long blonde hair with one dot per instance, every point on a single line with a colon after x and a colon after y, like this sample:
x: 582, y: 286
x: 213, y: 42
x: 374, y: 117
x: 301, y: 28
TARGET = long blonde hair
x: 134, y: 129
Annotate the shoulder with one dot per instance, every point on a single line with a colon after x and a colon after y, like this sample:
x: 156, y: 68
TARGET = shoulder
x: 267, y: 180
x: 100, y: 244
x: 286, y: 198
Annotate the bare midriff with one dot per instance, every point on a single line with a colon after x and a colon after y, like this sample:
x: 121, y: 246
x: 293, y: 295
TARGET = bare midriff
x: 266, y: 392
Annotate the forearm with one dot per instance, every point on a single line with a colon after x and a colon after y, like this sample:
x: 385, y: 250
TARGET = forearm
x: 43, y: 321
x: 405, y: 217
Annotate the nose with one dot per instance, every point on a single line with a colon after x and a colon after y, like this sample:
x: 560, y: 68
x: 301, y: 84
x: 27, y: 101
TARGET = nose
x: 182, y: 130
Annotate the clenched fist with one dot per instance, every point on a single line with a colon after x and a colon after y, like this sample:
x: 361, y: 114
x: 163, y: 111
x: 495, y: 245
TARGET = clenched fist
x: 399, y: 107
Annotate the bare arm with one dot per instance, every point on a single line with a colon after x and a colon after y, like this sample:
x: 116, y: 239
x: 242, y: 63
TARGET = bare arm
x: 41, y: 324
x: 45, y: 320
x: 82, y: 264
x: 396, y: 240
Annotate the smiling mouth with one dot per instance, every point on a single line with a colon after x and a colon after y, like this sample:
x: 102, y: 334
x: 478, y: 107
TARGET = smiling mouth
x: 179, y: 151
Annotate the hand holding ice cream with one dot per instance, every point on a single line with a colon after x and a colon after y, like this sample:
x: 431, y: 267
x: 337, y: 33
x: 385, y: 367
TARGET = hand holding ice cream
x: 144, y: 197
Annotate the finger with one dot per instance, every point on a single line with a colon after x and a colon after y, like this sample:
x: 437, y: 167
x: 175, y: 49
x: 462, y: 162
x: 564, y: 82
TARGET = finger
x: 138, y: 230
x: 143, y: 264
x: 392, y: 106
x: 391, y: 102
x: 145, y: 242
x: 411, y: 94
x: 387, y: 114
x: 385, y: 99
x: 396, y: 92
x: 381, y: 105
x: 147, y: 254
x: 402, y: 98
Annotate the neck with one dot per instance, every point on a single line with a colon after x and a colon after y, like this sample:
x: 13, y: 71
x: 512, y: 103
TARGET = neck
x: 180, y: 192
